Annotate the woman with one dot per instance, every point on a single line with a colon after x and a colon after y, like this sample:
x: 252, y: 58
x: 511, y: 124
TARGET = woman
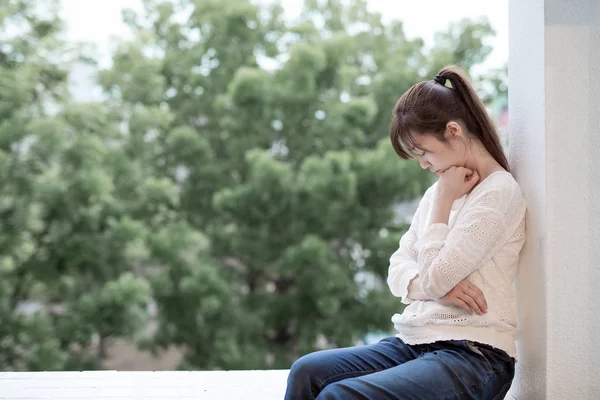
x: 454, y: 267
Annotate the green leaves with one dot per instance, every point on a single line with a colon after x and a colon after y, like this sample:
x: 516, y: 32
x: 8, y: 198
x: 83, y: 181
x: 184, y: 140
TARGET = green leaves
x: 250, y: 86
x: 237, y: 176
x: 118, y: 309
x: 29, y: 343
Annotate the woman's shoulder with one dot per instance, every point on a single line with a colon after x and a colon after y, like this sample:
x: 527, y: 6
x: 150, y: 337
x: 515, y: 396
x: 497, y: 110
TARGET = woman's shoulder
x: 499, y: 190
x: 429, y: 194
x: 501, y: 181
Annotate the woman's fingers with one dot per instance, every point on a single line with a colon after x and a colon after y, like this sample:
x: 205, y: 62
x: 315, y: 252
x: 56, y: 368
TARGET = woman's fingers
x: 477, y: 295
x: 463, y: 305
x: 468, y: 297
x: 471, y: 302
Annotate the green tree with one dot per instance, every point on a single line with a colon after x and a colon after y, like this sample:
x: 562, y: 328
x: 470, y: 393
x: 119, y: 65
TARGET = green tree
x: 238, y: 173
x: 278, y: 144
x: 81, y: 217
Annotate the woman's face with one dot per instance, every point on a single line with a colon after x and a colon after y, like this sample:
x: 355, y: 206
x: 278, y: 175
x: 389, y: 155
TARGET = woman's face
x: 438, y: 156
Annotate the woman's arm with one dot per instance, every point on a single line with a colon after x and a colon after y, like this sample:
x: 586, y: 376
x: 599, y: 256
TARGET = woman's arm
x: 415, y: 290
x: 446, y: 257
x: 403, y: 271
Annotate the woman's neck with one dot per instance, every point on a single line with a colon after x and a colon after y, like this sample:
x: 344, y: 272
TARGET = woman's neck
x: 483, y: 162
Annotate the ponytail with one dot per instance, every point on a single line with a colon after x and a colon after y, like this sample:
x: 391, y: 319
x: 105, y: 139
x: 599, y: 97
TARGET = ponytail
x: 485, y: 130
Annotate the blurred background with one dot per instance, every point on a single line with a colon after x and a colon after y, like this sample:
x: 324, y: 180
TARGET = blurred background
x: 202, y: 184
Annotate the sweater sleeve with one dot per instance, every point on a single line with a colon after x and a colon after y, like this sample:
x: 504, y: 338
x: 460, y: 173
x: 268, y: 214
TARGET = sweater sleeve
x: 447, y: 256
x: 415, y: 291
x: 403, y: 263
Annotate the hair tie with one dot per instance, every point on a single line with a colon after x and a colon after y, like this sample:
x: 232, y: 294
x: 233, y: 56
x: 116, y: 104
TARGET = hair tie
x: 440, y: 80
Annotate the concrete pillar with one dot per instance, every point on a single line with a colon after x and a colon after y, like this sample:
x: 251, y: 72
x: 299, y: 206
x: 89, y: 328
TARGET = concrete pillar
x: 554, y: 148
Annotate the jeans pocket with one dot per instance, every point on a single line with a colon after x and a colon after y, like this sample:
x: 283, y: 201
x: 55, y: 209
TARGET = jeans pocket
x: 474, y: 348
x: 499, y: 361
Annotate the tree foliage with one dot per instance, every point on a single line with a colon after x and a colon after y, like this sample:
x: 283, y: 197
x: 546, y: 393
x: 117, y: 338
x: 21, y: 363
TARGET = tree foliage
x: 238, y: 173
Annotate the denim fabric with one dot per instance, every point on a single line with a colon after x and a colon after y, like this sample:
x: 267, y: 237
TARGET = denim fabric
x: 391, y: 369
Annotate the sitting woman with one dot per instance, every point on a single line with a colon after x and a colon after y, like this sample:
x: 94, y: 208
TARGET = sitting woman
x: 454, y: 268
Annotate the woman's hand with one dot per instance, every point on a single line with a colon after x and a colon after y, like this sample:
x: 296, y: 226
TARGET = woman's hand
x: 466, y: 296
x: 455, y: 182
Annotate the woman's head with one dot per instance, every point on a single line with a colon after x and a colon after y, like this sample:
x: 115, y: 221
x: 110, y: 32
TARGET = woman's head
x: 441, y: 125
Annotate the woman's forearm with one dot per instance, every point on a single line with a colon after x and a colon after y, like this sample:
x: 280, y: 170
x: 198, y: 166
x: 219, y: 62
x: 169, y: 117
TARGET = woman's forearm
x: 442, y: 205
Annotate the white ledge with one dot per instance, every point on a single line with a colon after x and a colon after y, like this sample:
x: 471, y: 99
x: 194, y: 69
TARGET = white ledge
x: 138, y: 385
x: 125, y: 385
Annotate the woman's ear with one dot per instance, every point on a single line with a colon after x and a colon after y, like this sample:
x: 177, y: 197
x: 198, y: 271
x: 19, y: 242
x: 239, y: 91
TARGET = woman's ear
x: 453, y: 130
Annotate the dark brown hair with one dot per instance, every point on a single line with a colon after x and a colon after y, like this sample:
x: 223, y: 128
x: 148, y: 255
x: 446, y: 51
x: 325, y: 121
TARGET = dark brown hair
x: 428, y: 106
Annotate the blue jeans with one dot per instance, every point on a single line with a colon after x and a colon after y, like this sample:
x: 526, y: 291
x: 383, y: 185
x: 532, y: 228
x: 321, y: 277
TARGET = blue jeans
x: 391, y: 369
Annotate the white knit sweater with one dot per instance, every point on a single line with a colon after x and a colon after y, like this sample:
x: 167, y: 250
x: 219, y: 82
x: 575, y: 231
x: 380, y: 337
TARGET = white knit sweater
x: 482, y: 242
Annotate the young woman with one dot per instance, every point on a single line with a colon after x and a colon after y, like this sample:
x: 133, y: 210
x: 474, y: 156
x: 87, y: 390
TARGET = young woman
x: 454, y: 268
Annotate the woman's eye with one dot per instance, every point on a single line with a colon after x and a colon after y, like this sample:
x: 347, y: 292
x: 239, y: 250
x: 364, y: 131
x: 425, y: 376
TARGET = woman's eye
x: 418, y: 152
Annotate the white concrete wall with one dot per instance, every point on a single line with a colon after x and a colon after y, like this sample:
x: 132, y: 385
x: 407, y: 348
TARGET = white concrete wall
x: 554, y: 128
x: 527, y: 157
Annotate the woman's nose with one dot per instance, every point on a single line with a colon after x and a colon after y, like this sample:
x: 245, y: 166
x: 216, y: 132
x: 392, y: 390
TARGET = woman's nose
x: 424, y: 164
